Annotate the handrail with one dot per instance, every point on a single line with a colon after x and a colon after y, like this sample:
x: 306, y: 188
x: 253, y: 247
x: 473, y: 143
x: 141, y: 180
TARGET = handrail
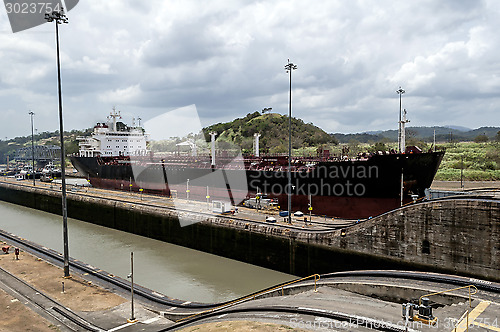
x: 450, y: 290
x: 413, y: 202
x: 460, y: 321
x: 316, y: 277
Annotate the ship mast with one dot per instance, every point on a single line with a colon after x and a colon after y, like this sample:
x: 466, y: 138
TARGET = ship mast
x: 400, y: 92
x: 114, y: 115
x: 402, y: 147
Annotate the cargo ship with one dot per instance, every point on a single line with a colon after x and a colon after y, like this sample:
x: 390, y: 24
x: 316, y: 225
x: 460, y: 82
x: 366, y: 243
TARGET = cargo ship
x: 351, y: 187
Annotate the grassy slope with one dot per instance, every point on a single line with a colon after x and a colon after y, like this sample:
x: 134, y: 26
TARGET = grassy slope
x: 481, y: 162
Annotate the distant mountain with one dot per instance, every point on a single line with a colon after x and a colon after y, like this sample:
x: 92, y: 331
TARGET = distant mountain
x: 460, y: 128
x: 273, y: 128
x: 421, y: 133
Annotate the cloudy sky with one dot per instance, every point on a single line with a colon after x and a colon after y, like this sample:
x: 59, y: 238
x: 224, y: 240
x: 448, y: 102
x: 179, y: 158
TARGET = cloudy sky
x: 228, y: 58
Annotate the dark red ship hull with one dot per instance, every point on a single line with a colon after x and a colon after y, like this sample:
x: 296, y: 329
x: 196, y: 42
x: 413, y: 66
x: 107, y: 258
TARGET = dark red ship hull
x: 350, y: 189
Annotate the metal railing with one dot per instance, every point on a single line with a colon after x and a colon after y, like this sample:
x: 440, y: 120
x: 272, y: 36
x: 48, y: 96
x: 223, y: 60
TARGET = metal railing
x: 253, y: 296
x: 451, y: 290
x: 459, y: 322
x: 466, y: 314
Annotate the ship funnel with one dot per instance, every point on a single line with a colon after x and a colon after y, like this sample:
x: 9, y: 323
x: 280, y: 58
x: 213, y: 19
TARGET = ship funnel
x: 212, y: 135
x: 256, y: 144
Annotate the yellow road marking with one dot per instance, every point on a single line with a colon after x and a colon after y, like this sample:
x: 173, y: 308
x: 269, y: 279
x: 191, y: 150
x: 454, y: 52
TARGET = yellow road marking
x: 462, y: 325
x: 489, y: 327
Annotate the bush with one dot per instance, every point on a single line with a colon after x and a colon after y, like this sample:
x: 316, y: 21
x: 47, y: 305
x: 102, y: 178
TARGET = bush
x: 481, y: 138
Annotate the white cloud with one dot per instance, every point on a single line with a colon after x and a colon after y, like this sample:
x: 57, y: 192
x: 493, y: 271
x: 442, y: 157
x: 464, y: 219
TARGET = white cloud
x: 176, y: 123
x: 121, y: 96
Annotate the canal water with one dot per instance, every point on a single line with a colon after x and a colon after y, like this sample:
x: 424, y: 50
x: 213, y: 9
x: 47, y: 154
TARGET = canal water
x: 173, y: 270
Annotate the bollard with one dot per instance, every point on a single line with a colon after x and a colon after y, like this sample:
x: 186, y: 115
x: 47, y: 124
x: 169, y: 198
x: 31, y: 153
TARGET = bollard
x: 62, y: 287
x: 5, y: 249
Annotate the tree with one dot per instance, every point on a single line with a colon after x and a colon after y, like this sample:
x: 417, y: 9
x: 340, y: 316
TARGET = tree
x: 354, y: 147
x: 497, y: 137
x: 481, y: 138
x: 379, y: 146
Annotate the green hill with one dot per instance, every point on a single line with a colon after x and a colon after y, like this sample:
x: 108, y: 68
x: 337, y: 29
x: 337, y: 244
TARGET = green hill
x: 273, y: 128
x: 9, y: 147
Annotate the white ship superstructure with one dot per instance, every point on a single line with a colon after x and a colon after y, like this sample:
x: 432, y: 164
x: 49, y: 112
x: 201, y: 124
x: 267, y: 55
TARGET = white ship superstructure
x: 107, y: 141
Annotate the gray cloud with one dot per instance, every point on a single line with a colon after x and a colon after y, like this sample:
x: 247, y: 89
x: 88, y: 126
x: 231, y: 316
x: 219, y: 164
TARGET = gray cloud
x: 228, y: 59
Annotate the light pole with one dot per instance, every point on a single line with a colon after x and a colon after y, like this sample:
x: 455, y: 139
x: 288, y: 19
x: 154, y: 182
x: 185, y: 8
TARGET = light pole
x: 131, y: 276
x: 32, y: 147
x: 289, y: 67
x: 400, y: 92
x: 59, y: 18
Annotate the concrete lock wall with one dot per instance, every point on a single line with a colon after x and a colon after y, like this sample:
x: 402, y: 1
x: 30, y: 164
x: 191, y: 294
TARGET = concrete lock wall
x: 450, y: 236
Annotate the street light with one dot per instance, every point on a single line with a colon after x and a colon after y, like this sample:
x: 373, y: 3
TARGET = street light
x: 289, y: 67
x: 59, y: 18
x: 32, y: 147
x: 400, y: 92
x: 131, y: 276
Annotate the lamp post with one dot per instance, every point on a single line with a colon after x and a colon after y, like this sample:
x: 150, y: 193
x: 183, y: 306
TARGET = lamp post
x: 289, y: 67
x: 400, y: 92
x: 131, y: 276
x: 32, y: 147
x: 59, y: 18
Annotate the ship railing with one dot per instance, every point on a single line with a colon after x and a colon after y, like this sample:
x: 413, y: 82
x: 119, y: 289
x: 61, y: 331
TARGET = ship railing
x: 415, y: 201
x: 253, y: 296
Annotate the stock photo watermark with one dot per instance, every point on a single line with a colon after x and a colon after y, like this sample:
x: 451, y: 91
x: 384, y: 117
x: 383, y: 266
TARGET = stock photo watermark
x: 331, y: 181
x: 25, y: 14
x: 352, y: 324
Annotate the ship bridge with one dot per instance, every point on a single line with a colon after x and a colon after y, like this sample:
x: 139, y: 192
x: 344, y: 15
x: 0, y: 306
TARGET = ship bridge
x: 107, y: 141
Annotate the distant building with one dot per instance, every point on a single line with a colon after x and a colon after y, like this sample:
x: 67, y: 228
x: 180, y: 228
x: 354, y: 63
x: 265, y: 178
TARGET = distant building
x: 43, y: 154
